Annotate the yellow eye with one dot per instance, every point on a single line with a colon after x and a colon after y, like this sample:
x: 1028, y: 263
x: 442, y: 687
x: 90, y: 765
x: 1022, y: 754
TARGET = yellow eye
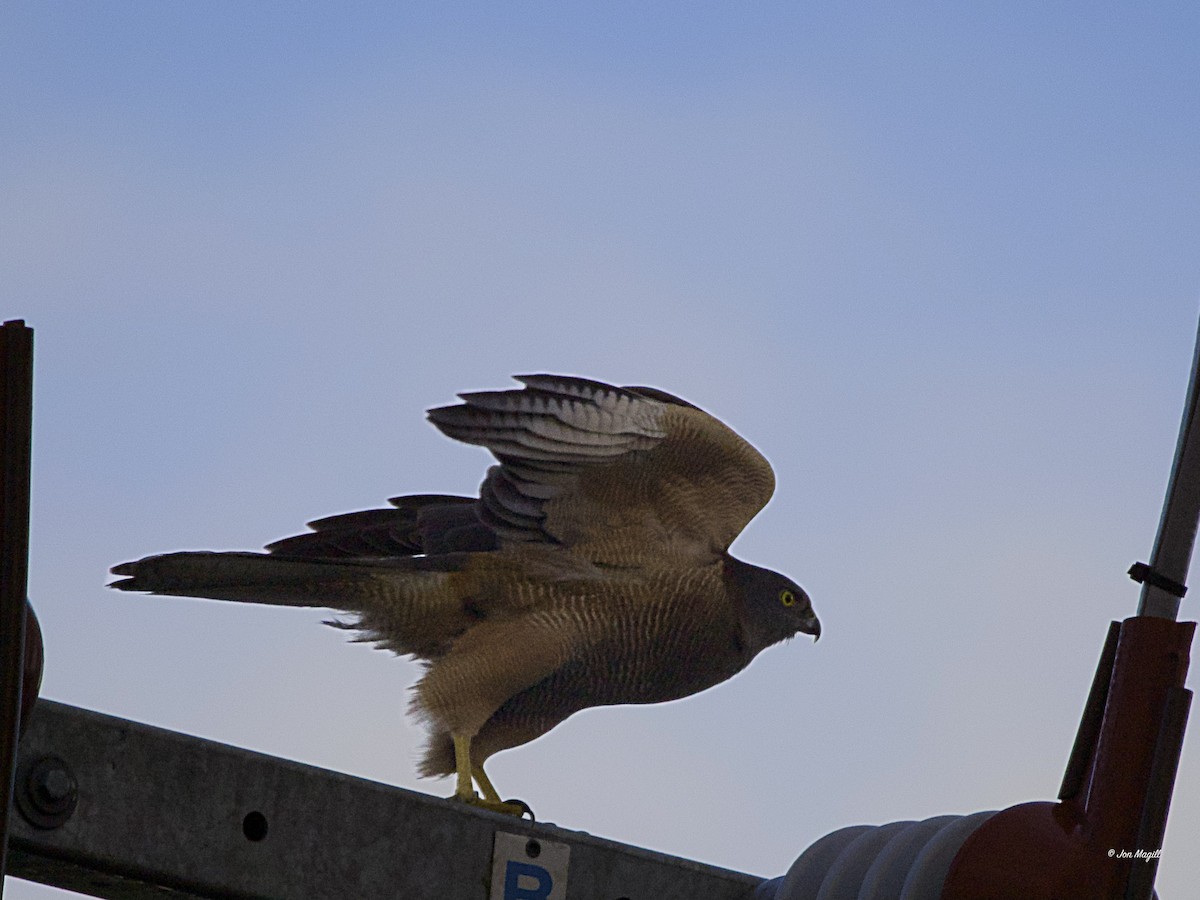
x: 787, y: 597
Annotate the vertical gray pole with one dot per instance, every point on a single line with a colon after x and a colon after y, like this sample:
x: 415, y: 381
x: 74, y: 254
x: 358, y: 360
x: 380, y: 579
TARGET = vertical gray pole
x: 1163, y: 582
x: 16, y: 414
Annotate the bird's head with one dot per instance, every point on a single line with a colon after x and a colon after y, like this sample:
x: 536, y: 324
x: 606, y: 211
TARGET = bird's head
x: 775, y: 608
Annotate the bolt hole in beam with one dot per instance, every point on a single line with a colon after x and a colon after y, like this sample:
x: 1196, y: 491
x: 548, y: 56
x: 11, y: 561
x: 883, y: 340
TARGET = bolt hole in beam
x: 254, y: 826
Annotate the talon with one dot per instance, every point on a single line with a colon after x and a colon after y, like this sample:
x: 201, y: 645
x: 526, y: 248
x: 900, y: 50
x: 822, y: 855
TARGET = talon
x: 524, y: 807
x: 518, y: 808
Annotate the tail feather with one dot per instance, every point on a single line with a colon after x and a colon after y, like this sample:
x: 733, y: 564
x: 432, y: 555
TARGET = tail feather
x: 246, y: 577
x: 410, y: 605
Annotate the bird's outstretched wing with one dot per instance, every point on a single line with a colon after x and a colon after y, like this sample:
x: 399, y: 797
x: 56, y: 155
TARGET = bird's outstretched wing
x: 415, y: 525
x: 623, y: 476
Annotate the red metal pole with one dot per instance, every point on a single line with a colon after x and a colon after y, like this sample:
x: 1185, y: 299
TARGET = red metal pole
x: 1086, y: 846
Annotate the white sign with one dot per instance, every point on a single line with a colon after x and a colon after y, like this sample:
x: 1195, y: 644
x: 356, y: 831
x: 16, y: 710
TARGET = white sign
x: 528, y: 868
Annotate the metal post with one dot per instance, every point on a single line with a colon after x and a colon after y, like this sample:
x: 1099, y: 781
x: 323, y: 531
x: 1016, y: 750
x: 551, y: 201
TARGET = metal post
x: 16, y: 415
x: 1116, y: 792
x: 1163, y: 579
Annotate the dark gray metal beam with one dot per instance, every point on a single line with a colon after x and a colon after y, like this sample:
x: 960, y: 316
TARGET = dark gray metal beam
x: 154, y: 810
x: 16, y: 418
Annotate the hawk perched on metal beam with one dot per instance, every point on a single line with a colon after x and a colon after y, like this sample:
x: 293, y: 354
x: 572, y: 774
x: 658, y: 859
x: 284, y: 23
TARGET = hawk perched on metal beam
x: 592, y: 569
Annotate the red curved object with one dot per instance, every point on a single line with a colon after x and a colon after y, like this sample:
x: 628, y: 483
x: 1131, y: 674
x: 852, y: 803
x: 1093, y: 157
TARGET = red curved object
x: 35, y: 656
x: 1085, y: 846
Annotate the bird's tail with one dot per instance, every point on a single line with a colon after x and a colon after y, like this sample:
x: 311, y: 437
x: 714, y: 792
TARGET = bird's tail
x: 244, y: 577
x: 409, y: 605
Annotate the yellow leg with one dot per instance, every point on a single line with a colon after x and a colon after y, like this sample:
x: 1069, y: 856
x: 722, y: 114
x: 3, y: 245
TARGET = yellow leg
x: 465, y: 792
x: 462, y: 768
x: 485, y: 784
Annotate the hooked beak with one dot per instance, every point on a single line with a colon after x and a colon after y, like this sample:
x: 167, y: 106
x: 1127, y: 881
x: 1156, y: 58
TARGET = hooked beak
x: 812, y: 625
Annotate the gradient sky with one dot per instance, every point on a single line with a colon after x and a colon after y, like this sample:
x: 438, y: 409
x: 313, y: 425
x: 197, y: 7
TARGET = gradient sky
x: 939, y: 263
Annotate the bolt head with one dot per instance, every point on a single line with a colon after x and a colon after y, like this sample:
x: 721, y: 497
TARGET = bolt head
x: 47, y: 792
x: 55, y: 785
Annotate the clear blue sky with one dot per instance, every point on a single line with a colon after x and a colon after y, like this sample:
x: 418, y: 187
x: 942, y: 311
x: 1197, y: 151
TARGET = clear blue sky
x: 939, y: 263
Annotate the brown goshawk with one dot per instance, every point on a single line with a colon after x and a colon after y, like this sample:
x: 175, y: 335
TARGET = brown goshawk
x: 592, y: 569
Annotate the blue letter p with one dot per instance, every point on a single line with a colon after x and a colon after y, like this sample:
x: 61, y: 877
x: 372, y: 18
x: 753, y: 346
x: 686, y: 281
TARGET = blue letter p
x: 512, y: 882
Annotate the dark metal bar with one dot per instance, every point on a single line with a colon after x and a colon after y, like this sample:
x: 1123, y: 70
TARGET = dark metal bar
x: 1080, y: 762
x: 126, y: 810
x: 1176, y: 537
x: 16, y: 416
x: 1152, y: 659
x: 1153, y: 826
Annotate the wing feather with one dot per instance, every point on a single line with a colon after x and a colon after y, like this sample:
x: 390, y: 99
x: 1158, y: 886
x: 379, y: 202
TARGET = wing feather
x: 417, y: 524
x: 622, y: 476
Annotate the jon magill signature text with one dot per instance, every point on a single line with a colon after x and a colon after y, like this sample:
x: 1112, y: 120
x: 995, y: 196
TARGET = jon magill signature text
x: 1134, y: 854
